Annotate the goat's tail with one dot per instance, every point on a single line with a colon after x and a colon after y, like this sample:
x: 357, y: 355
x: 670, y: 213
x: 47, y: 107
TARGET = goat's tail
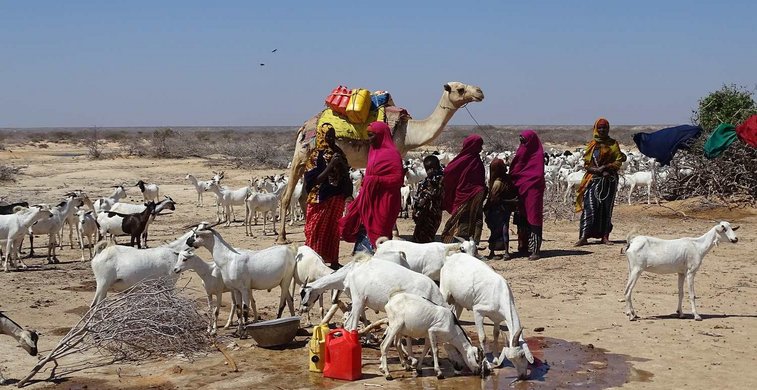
x: 100, y: 246
x: 631, y: 235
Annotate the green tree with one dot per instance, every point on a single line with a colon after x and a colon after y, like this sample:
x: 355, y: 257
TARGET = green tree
x: 730, y: 104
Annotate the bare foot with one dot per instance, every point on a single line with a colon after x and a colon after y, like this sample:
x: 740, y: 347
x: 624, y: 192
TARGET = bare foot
x: 581, y: 242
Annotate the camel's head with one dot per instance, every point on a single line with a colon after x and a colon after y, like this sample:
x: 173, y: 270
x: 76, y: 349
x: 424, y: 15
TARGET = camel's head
x: 460, y: 94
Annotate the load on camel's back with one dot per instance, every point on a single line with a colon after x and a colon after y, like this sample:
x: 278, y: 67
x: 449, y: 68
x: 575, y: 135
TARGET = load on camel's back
x: 407, y: 133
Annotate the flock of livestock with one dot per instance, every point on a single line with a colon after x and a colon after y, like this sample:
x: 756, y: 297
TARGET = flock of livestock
x: 422, y: 288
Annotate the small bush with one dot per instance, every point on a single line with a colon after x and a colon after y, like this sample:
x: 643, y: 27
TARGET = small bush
x: 8, y: 172
x: 160, y: 143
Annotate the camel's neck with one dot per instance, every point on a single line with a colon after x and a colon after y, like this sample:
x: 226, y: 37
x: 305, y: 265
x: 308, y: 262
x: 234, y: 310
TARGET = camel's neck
x: 10, y: 328
x: 422, y: 132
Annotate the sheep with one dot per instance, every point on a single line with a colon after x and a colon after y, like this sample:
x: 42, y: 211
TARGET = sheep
x: 469, y: 283
x: 682, y: 256
x: 51, y: 226
x: 202, y: 186
x: 228, y: 199
x: 118, y: 267
x: 427, y: 259
x: 150, y: 192
x: 413, y: 316
x: 244, y: 270
x: 14, y: 226
x: 131, y: 224
x: 129, y: 208
x: 263, y: 202
x: 86, y: 226
x: 211, y: 278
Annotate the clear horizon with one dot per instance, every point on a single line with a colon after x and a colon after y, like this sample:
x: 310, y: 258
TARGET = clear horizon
x: 156, y: 64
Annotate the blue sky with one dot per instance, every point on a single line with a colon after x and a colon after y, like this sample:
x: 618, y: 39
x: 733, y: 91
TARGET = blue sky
x: 162, y: 63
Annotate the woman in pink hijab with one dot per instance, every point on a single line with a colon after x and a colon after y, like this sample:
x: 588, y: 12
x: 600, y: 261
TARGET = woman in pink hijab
x: 464, y: 192
x: 527, y: 173
x: 374, y: 212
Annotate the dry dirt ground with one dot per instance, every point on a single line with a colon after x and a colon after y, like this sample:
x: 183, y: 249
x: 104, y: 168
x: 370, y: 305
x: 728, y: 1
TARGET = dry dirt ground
x: 573, y: 294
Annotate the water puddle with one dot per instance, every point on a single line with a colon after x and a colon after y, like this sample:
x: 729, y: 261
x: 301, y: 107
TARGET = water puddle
x: 560, y: 364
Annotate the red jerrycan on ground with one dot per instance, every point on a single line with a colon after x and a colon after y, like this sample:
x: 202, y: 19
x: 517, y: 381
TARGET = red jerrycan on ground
x: 343, y: 355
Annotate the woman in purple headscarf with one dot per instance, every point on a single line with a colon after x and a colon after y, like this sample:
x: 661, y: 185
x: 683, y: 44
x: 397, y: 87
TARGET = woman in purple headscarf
x: 464, y: 192
x: 527, y: 173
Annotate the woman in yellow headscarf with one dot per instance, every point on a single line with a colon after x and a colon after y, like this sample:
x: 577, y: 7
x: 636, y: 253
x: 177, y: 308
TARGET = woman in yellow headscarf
x: 327, y: 183
x: 596, y: 194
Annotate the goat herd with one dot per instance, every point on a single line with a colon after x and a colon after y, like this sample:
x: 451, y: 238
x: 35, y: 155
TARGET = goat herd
x: 422, y: 288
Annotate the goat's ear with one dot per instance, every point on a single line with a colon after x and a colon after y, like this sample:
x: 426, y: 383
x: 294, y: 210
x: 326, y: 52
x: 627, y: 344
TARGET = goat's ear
x: 736, y: 228
x: 459, y: 239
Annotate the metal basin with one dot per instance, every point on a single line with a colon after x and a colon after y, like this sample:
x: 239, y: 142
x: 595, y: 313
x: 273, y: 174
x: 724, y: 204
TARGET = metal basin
x: 273, y: 333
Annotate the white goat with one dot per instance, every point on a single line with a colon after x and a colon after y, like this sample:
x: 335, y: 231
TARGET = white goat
x: 118, y: 267
x: 104, y: 204
x: 53, y: 225
x: 73, y: 220
x: 14, y: 226
x: 150, y: 191
x: 227, y: 199
x: 471, y: 284
x: 573, y: 180
x: 296, y: 207
x: 202, y: 186
x: 370, y: 282
x: 641, y: 178
x: 244, y: 270
x: 426, y: 259
x: 682, y: 256
x: 309, y: 267
x: 86, y: 226
x: 211, y: 280
x: 409, y: 315
x: 265, y: 203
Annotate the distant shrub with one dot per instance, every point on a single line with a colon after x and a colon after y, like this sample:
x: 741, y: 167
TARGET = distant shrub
x: 160, y: 143
x: 8, y: 172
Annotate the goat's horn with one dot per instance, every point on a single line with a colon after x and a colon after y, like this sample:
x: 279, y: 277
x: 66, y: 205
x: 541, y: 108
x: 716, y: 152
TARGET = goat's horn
x: 459, y: 239
x: 736, y: 228
x: 516, y: 336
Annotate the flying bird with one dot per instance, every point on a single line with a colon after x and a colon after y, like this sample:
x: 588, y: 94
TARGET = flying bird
x: 274, y: 50
x: 262, y: 64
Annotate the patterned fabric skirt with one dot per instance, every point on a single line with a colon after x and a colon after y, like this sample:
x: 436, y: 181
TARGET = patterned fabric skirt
x: 321, y: 228
x: 498, y: 221
x: 599, y: 200
x: 426, y: 226
x: 467, y: 222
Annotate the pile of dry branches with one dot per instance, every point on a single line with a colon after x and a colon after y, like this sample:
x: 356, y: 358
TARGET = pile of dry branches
x: 149, y: 320
x: 730, y: 178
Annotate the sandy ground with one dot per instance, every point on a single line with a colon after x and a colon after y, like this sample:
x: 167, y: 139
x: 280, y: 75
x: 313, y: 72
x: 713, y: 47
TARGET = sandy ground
x: 572, y: 293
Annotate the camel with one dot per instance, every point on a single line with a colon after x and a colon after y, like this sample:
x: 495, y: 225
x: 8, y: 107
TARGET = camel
x: 408, y: 136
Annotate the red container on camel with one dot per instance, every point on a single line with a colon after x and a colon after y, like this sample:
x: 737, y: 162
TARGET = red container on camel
x: 339, y: 99
x: 343, y: 355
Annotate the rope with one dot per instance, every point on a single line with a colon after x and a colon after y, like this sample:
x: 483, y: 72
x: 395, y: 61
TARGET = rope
x: 477, y: 124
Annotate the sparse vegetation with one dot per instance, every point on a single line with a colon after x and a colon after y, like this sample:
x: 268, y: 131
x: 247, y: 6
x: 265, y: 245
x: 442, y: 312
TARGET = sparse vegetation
x: 8, y: 172
x: 730, y: 177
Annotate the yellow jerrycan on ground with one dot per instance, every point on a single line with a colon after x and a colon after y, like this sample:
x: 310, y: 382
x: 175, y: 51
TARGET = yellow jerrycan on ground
x: 317, y: 348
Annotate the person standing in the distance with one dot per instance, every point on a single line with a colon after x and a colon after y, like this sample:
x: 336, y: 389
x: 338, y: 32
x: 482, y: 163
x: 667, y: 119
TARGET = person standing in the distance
x: 464, y: 192
x: 374, y: 212
x: 327, y: 184
x: 527, y: 172
x: 427, y: 202
x: 596, y: 193
x: 502, y: 201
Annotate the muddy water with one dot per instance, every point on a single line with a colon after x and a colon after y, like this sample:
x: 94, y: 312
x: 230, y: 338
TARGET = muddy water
x: 559, y: 364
